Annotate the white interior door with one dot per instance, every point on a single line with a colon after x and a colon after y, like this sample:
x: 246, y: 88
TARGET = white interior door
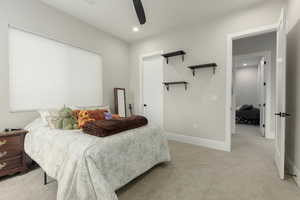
x: 280, y: 96
x: 262, y: 95
x: 153, y: 89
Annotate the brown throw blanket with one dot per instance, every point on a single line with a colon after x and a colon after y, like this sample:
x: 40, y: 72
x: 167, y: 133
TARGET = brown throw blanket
x: 103, y: 128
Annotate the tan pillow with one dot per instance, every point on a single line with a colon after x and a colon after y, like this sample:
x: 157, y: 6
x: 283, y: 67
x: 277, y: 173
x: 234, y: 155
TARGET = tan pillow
x: 105, y: 107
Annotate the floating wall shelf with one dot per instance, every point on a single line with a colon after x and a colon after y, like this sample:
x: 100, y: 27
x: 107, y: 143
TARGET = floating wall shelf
x: 167, y: 84
x: 172, y: 54
x: 212, y: 65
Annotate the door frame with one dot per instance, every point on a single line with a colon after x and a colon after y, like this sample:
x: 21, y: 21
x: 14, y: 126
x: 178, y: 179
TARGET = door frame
x: 262, y: 89
x: 269, y: 90
x: 141, y: 89
x: 228, y: 103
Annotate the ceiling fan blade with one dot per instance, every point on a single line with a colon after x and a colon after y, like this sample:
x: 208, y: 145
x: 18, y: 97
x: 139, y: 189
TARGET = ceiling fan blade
x: 140, y: 11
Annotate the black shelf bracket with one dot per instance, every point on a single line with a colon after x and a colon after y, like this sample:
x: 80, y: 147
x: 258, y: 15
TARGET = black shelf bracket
x: 210, y: 65
x: 172, y: 54
x: 167, y: 84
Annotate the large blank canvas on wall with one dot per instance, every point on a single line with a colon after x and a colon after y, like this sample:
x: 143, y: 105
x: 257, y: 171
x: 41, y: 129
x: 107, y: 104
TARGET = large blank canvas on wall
x: 48, y: 74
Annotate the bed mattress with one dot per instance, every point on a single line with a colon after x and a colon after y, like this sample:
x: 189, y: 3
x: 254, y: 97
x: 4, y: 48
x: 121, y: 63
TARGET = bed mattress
x: 92, y: 168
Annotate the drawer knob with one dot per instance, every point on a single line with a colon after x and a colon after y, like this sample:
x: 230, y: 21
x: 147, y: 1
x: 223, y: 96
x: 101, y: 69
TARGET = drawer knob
x: 2, y: 154
x: 2, y: 165
x: 2, y: 142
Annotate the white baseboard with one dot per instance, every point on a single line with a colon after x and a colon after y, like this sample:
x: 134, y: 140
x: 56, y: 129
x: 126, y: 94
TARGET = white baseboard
x: 294, y: 170
x: 270, y: 135
x: 213, y: 144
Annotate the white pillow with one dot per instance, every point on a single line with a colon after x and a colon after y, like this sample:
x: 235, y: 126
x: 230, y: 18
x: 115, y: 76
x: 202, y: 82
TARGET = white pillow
x: 45, y: 114
x: 49, y: 117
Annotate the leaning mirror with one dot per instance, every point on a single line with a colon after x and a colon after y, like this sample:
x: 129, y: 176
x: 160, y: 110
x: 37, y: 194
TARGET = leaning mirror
x: 120, y: 101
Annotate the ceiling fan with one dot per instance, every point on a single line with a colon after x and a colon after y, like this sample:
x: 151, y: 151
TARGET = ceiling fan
x: 139, y: 11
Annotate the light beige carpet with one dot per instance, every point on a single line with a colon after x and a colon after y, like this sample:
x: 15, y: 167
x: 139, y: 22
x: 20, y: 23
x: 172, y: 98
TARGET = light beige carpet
x: 195, y: 173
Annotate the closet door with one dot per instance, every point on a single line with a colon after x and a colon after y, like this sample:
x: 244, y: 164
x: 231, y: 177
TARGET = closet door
x: 152, y: 89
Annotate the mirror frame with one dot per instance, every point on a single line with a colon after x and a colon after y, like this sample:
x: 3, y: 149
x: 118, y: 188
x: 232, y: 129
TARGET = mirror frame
x: 116, y: 100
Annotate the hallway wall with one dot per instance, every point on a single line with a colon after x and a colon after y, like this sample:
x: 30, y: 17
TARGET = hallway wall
x: 246, y: 81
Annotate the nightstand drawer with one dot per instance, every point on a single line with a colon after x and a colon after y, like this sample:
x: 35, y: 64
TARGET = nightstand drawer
x: 10, y: 163
x: 8, y: 153
x: 10, y: 142
x: 12, y: 155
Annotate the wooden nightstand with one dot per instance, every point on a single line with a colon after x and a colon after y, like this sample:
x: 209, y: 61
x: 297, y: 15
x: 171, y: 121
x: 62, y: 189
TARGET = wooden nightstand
x: 12, y: 155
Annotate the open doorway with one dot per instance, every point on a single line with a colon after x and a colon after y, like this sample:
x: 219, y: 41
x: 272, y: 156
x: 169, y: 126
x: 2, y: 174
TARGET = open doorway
x: 280, y: 113
x: 248, y: 99
x: 253, y: 83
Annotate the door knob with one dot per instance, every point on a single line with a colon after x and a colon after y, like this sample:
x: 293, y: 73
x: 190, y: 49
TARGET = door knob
x: 2, y: 154
x: 2, y: 165
x: 145, y: 105
x: 278, y: 114
x: 2, y: 142
x: 283, y: 114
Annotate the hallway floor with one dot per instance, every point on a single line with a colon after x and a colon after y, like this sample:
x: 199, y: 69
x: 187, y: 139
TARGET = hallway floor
x: 195, y: 173
x: 249, y: 137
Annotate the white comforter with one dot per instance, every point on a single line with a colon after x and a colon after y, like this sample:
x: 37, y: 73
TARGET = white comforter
x: 92, y: 168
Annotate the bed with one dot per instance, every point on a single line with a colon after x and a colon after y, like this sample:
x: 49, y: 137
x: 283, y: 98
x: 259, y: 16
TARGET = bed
x: 248, y: 114
x: 92, y: 168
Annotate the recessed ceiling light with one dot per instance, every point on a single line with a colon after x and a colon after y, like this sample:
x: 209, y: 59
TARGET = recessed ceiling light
x: 135, y: 29
x: 245, y: 64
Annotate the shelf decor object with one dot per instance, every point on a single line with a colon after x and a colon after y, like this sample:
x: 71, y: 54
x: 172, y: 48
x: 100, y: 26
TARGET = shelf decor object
x: 167, y: 84
x: 212, y: 65
x: 172, y: 54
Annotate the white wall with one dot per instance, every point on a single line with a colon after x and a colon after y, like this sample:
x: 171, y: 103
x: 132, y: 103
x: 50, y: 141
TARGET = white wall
x: 38, y: 17
x: 200, y: 111
x: 293, y: 14
x: 246, y: 80
x: 293, y: 85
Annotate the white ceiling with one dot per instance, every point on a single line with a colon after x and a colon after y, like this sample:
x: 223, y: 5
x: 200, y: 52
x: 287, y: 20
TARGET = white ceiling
x: 118, y: 17
x: 251, y: 61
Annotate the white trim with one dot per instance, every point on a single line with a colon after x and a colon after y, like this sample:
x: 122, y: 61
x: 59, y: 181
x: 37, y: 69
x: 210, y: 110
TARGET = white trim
x: 228, y: 92
x: 254, y: 31
x: 213, y: 144
x: 141, y: 100
x: 271, y: 134
x: 230, y: 38
x: 294, y: 170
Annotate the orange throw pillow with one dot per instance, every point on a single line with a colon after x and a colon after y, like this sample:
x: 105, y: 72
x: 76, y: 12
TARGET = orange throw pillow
x: 115, y: 116
x: 96, y: 114
x: 85, y: 116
